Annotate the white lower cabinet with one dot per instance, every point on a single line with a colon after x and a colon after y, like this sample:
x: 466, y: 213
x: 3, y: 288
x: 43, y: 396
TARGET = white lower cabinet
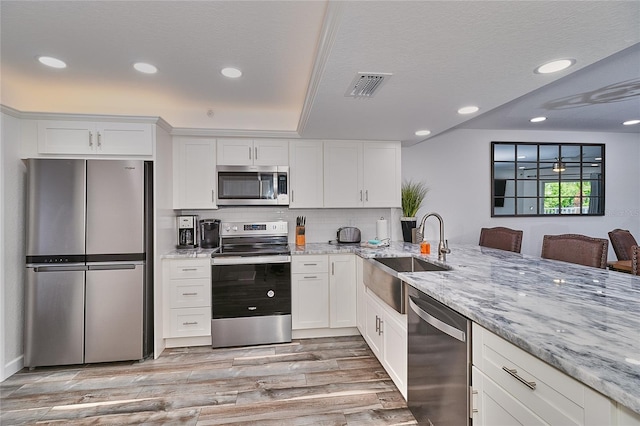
x: 187, y: 298
x: 309, y: 292
x: 385, y: 330
x: 512, y: 387
x: 342, y: 290
x: 323, y: 291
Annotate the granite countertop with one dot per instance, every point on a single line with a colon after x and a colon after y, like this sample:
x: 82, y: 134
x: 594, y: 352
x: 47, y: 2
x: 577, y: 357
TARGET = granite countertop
x: 188, y: 253
x: 584, y: 321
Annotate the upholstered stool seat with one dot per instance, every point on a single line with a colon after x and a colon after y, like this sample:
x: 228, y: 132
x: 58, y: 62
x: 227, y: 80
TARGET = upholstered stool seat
x: 575, y: 248
x: 501, y: 238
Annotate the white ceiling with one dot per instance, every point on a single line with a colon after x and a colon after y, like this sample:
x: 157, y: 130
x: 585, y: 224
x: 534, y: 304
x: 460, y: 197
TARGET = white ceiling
x: 299, y: 57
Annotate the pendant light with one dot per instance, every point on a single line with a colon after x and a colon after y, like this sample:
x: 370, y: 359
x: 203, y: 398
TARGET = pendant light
x: 559, y: 166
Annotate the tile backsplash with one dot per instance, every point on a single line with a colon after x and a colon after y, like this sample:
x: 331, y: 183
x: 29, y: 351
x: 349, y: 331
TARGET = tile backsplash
x: 321, y: 225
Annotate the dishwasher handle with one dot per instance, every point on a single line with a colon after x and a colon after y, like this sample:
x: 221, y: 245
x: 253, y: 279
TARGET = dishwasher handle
x: 435, y: 322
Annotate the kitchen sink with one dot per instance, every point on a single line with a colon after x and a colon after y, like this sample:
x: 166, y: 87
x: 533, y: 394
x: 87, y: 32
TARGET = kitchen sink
x: 409, y: 264
x: 381, y: 277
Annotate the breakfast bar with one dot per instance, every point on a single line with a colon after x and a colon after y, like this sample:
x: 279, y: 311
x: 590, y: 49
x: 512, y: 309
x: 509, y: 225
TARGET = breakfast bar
x: 583, y: 321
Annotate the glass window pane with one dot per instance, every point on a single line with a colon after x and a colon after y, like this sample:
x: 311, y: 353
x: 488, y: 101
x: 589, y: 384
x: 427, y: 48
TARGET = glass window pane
x: 504, y: 170
x: 591, y: 153
x: 527, y: 170
x: 527, y: 152
x: 527, y: 206
x: 504, y: 152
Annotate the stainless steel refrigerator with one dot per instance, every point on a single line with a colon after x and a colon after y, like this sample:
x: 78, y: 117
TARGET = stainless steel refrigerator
x: 89, y: 261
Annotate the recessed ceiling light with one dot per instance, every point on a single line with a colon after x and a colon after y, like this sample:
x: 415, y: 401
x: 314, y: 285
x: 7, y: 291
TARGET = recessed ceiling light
x: 231, y: 72
x: 423, y: 132
x: 145, y: 68
x: 52, y: 62
x: 631, y: 122
x: 554, y: 66
x: 537, y: 119
x: 468, y: 110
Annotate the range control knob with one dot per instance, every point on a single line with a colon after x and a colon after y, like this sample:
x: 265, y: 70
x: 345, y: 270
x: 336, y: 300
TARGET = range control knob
x: 271, y: 293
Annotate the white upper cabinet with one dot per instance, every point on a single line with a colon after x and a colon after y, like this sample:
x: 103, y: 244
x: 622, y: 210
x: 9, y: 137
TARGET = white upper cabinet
x: 305, y: 174
x: 382, y: 174
x: 362, y: 174
x: 194, y: 173
x: 343, y: 174
x: 249, y: 152
x: 96, y: 138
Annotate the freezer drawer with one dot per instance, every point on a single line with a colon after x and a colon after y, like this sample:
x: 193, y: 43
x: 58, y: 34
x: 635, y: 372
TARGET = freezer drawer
x: 114, y: 313
x: 54, y: 317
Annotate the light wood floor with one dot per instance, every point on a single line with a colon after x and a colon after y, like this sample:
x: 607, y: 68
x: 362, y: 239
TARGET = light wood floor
x: 333, y: 381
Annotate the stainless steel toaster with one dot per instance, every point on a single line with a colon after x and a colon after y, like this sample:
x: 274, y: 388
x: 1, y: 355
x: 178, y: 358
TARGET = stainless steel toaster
x: 348, y: 234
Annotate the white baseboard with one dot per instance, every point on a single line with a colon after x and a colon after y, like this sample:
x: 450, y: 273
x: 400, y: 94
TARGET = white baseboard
x: 324, y: 332
x: 13, y: 367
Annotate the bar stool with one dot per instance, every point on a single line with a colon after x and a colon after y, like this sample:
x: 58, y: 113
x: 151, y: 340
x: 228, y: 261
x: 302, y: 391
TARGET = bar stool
x: 575, y: 248
x: 622, y: 240
x: 501, y: 238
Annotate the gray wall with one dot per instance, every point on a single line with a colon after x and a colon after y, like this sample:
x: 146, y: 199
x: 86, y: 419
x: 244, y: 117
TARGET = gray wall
x: 457, y: 168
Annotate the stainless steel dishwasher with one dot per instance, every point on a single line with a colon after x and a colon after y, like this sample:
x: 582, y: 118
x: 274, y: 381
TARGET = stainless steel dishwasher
x: 439, y: 362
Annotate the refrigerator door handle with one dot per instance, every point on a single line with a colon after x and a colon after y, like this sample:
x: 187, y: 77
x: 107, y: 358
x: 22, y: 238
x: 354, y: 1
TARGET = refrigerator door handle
x: 111, y: 267
x: 59, y: 268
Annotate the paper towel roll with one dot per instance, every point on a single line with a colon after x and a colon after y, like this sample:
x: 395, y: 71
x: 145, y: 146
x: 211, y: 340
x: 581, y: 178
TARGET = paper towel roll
x: 382, y: 229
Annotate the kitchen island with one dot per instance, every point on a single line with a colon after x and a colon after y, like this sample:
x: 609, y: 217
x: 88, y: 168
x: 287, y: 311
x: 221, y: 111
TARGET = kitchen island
x: 583, y: 321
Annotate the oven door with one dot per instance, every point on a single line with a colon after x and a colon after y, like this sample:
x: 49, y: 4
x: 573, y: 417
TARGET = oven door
x: 250, y: 286
x: 251, y: 300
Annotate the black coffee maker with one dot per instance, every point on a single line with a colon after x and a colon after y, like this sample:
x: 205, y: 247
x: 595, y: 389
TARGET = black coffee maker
x: 210, y: 233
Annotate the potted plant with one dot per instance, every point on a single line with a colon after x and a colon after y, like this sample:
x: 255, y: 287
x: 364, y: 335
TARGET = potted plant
x: 412, y: 195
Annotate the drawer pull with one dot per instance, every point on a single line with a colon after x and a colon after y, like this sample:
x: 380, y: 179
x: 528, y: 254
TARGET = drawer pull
x: 310, y: 264
x: 310, y: 277
x: 514, y: 373
x: 189, y: 269
x: 190, y: 323
x: 190, y: 294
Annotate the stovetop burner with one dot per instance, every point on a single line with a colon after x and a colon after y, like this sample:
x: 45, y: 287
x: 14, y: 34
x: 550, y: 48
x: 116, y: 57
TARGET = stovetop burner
x: 253, y: 239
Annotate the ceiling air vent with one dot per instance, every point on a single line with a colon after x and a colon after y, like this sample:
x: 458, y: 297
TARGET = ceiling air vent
x: 365, y: 84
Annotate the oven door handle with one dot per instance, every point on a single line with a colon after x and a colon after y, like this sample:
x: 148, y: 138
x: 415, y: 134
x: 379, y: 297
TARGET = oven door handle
x: 249, y: 260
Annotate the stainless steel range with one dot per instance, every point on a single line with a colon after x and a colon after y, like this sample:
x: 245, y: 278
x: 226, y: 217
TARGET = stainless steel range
x: 251, y: 285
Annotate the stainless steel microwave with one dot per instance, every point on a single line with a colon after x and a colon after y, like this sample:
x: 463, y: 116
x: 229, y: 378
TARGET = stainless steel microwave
x: 253, y: 185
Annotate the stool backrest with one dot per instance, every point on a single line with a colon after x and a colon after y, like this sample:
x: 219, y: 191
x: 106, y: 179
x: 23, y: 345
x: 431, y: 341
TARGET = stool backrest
x: 576, y: 248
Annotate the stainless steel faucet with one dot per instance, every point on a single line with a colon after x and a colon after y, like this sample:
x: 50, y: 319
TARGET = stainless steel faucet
x: 443, y: 245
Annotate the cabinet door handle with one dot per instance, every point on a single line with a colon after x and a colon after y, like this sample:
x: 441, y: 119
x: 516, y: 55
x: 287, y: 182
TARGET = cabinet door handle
x: 189, y: 294
x: 514, y: 373
x: 249, y: 153
x: 378, y: 325
x: 99, y: 140
x: 256, y: 153
x: 381, y: 327
x: 366, y: 195
x: 292, y: 195
x: 333, y: 268
x: 472, y: 402
x: 90, y: 138
x: 213, y: 196
x: 361, y: 195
